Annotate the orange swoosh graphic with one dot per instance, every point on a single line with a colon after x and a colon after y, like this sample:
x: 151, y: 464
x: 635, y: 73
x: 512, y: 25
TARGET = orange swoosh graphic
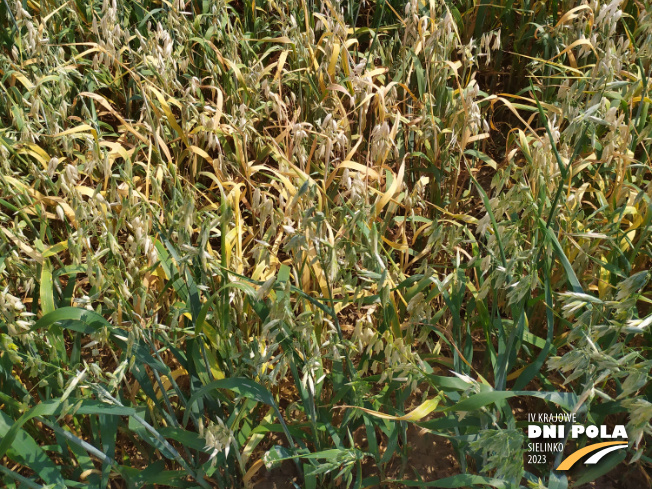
x: 575, y: 456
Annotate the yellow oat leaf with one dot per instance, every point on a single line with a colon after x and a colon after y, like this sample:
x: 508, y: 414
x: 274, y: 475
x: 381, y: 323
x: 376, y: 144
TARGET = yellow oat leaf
x: 397, y: 246
x: 117, y: 149
x: 168, y: 112
x: 413, y: 416
x: 37, y: 152
x: 105, y: 103
x: 23, y: 79
x: 365, y: 170
x: 257, y: 465
x: 352, y: 165
x: 604, y: 280
x: 578, y: 42
x: 393, y: 188
x: 55, y: 249
x: 75, y: 130
x: 281, y: 64
x: 219, y: 108
x: 46, y: 199
x: 28, y: 250
x: 166, y: 382
x: 201, y: 152
x: 572, y: 14
x: 333, y: 59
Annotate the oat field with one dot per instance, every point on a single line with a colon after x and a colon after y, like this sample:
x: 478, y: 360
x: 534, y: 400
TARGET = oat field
x: 323, y: 243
